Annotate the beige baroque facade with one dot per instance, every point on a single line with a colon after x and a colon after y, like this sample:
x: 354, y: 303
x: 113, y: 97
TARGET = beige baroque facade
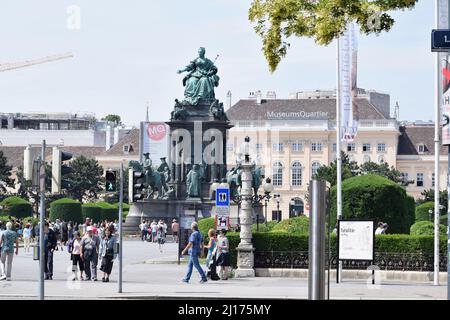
x: 293, y: 137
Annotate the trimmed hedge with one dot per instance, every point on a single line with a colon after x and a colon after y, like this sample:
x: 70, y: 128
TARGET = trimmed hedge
x: 426, y: 228
x: 443, y: 219
x: 374, y: 197
x: 66, y: 209
x: 92, y: 211
x: 109, y: 211
x: 204, y: 225
x: 296, y: 225
x: 17, y: 207
x: 5, y: 219
x: 263, y: 227
x: 422, y: 213
x: 393, y: 243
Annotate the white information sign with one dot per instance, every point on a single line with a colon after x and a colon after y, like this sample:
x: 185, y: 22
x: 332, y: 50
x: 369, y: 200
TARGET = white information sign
x: 155, y: 141
x: 356, y: 240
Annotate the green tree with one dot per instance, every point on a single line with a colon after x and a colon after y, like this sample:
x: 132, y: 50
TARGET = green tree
x: 384, y: 170
x: 329, y: 173
x: 113, y: 118
x: 428, y: 196
x: 87, y: 179
x: 5, y: 173
x: 324, y: 20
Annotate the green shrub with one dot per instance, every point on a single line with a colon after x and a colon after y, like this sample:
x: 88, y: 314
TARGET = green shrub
x: 109, y: 211
x: 204, y: 225
x: 92, y: 211
x: 5, y: 219
x: 375, y: 197
x: 443, y: 219
x: 17, y: 207
x: 422, y: 211
x: 296, y: 225
x: 263, y: 227
x: 31, y: 220
x: 125, y: 206
x: 426, y: 228
x: 66, y: 209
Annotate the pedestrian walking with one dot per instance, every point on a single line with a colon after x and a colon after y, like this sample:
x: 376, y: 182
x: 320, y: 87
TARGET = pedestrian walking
x: 144, y: 230
x: 161, y: 236
x: 175, y: 230
x: 7, y: 240
x: 210, y: 257
x: 223, y: 252
x: 74, y: 248
x: 50, y: 244
x: 107, y: 252
x: 64, y: 234
x: 154, y: 227
x: 195, y: 250
x: 27, y: 238
x: 89, y: 254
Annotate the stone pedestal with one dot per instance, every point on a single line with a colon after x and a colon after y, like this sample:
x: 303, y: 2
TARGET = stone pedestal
x: 245, y: 257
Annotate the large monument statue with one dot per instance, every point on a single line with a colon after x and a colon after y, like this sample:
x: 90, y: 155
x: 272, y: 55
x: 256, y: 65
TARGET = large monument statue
x: 201, y: 79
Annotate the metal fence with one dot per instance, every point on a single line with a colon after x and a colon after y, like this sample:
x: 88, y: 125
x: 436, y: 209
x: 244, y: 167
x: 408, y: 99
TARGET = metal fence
x: 384, y: 260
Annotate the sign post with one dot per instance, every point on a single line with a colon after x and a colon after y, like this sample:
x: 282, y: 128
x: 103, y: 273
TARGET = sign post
x: 222, y: 209
x: 356, y: 241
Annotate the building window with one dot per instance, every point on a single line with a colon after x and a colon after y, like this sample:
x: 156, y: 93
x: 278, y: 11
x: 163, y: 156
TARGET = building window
x: 421, y: 148
x: 43, y: 126
x: 277, y: 174
x: 297, y: 147
x: 277, y: 147
x: 334, y: 147
x: 230, y: 147
x: 296, y: 174
x: 276, y: 215
x: 420, y: 180
x: 366, y: 147
x: 405, y: 176
x: 366, y: 158
x: 316, y: 147
x: 296, y: 207
x: 315, y: 166
x: 351, y: 147
x: 53, y: 125
x: 381, y: 147
x: 259, y: 147
x: 63, y: 126
x: 432, y: 180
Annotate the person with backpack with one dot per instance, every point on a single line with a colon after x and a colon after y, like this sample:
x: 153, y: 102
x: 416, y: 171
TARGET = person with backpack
x: 210, y: 257
x: 89, y: 254
x: 195, y: 250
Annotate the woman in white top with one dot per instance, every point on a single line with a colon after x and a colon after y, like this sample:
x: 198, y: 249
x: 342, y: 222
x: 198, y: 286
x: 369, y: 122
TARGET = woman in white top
x: 75, y: 255
x: 27, y: 237
x: 223, y: 254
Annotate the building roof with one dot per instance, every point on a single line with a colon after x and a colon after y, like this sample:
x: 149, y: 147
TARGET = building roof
x: 301, y: 109
x: 413, y: 136
x: 131, y: 139
x: 14, y: 155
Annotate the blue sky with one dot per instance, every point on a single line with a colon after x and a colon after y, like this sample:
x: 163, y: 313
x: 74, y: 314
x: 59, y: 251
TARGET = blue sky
x: 128, y: 52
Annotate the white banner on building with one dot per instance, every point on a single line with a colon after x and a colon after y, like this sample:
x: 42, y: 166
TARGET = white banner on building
x: 445, y: 74
x: 348, y: 84
x: 155, y: 141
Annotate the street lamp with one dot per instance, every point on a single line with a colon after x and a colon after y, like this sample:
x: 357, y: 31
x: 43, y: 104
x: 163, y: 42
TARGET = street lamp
x: 268, y: 188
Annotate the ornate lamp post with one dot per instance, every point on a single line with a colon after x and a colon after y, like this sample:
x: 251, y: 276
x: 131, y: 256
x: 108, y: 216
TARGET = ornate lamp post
x: 245, y: 258
x: 277, y: 198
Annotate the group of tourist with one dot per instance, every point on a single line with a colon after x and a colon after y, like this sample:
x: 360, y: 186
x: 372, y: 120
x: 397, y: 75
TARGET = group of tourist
x: 156, y: 232
x: 86, y: 243
x: 218, y: 255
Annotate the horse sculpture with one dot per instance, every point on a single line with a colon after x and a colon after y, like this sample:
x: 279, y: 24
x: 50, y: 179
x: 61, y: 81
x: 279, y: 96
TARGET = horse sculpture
x: 154, y: 180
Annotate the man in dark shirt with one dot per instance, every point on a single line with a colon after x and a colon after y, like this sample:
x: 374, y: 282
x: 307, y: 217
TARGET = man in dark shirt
x: 50, y: 243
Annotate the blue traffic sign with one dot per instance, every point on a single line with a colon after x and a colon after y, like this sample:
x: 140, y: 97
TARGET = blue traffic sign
x: 222, y: 197
x: 440, y: 40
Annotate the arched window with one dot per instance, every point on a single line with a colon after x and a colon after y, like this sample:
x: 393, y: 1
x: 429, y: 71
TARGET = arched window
x: 296, y: 174
x: 277, y: 174
x: 315, y: 166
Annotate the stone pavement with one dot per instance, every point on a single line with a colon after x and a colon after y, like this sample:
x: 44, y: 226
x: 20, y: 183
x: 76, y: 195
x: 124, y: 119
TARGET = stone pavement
x: 150, y: 274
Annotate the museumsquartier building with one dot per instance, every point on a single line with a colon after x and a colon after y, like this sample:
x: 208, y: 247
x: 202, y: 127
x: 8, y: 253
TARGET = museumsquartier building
x: 293, y: 137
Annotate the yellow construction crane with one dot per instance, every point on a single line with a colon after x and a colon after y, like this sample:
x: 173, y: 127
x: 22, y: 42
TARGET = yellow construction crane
x: 27, y: 63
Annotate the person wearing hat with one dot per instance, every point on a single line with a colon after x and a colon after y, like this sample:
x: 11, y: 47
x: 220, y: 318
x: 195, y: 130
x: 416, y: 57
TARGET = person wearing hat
x: 74, y: 248
x: 175, y: 230
x: 89, y: 253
